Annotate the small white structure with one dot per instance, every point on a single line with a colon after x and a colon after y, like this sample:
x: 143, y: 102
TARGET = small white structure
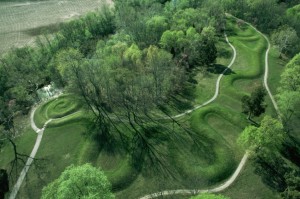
x: 48, y: 90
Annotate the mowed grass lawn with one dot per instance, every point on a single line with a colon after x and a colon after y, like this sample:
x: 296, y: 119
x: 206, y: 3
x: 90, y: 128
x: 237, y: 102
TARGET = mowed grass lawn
x: 207, y: 157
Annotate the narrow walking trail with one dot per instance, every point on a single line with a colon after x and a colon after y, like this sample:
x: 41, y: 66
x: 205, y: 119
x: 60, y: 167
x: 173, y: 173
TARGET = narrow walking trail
x: 229, y: 181
x: 40, y: 133
x: 217, y: 84
x: 218, y: 188
x: 266, y: 75
x: 24, y: 171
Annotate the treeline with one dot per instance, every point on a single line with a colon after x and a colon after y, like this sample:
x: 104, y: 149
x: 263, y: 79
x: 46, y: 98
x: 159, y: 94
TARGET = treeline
x: 25, y: 70
x: 279, y: 19
x: 275, y: 142
x: 124, y: 63
x: 131, y: 75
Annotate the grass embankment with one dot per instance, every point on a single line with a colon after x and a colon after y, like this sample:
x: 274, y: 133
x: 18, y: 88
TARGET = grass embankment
x: 218, y: 125
x: 208, y: 155
x: 221, y: 123
x: 55, y: 109
x: 67, y: 140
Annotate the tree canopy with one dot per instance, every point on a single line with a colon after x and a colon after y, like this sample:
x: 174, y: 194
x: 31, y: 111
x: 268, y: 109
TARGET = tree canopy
x: 289, y: 92
x: 286, y: 40
x: 79, y: 182
x: 253, y: 105
x: 265, y: 139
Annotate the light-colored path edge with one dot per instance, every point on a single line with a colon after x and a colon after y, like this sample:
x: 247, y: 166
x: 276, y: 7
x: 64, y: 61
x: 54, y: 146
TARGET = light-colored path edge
x: 219, y: 188
x: 266, y: 75
x: 217, y: 87
x: 29, y: 161
x: 36, y: 146
x: 228, y: 182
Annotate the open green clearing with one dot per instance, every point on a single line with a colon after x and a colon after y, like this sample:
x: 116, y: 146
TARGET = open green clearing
x: 21, y: 21
x: 209, y: 160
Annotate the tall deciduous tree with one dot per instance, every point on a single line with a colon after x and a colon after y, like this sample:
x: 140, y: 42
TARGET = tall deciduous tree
x: 286, y: 40
x: 79, y: 182
x: 155, y: 28
x: 290, y: 78
x: 253, y: 105
x: 266, y: 139
x: 289, y: 94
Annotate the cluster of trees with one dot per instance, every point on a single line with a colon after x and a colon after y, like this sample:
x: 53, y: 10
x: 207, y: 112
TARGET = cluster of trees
x: 254, y: 104
x: 25, y: 70
x: 134, y: 72
x: 83, y: 181
x: 289, y: 94
x: 278, y: 18
x: 124, y: 63
x: 183, y: 28
x: 274, y: 144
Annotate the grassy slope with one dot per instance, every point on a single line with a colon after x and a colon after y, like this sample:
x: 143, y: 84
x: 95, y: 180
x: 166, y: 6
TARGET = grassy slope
x: 249, y: 185
x: 198, y: 167
x: 57, y: 151
x: 217, y: 127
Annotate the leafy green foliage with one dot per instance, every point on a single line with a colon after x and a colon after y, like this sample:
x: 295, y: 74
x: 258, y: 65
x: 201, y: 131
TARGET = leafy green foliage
x: 191, y: 48
x: 254, y: 105
x: 267, y: 15
x: 209, y: 196
x: 79, y: 181
x: 286, y: 40
x: 155, y: 27
x: 290, y: 79
x: 293, y: 185
x: 266, y: 139
x: 289, y: 92
x: 293, y: 16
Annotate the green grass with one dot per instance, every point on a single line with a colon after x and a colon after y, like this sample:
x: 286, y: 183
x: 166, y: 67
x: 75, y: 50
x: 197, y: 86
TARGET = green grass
x: 201, y: 84
x: 219, y: 152
x: 24, y: 146
x: 56, y: 108
x: 204, y: 157
x: 59, y: 148
x: 249, y: 185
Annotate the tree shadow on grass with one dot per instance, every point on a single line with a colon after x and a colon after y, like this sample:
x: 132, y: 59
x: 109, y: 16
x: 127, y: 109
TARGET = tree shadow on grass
x: 219, y: 69
x: 224, y: 53
x: 182, y: 102
x: 230, y: 32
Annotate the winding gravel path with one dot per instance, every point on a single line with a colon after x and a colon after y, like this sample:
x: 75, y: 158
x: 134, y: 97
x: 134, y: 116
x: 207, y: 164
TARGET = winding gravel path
x: 217, y: 85
x: 267, y: 70
x: 24, y: 171
x: 228, y: 182
x: 40, y: 133
x: 218, y: 188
